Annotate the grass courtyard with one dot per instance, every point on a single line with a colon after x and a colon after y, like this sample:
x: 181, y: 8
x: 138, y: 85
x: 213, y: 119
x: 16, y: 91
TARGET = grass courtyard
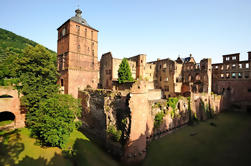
x: 17, y: 148
x: 225, y: 140
x: 228, y: 142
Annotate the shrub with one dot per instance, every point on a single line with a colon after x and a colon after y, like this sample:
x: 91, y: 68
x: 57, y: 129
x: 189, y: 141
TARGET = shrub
x: 158, y: 119
x: 172, y: 102
x: 113, y: 133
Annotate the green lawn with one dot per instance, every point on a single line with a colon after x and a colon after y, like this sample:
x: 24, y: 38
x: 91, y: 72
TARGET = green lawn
x: 17, y: 148
x: 6, y: 122
x: 227, y: 143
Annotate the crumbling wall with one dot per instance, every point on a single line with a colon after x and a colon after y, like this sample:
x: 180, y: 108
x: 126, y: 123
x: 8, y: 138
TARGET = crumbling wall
x: 135, y: 116
x: 11, y: 103
x: 104, y: 110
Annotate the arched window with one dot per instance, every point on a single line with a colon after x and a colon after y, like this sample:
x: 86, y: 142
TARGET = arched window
x: 189, y: 78
x: 6, y: 96
x: 197, y: 77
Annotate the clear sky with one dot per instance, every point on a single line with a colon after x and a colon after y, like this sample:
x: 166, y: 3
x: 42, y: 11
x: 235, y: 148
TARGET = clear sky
x: 158, y: 28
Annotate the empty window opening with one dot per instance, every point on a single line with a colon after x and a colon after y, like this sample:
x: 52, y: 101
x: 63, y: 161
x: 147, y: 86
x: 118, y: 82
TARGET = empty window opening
x: 166, y: 88
x: 222, y: 76
x: 246, y: 74
x: 233, y: 66
x: 240, y: 66
x: 233, y: 75
x: 78, y: 28
x: 227, y: 58
x: 247, y: 65
x: 227, y: 67
x: 227, y: 75
x: 239, y: 75
x: 189, y: 78
x: 62, y: 82
x: 85, y: 32
x: 197, y: 77
x: 233, y: 57
x: 6, y: 96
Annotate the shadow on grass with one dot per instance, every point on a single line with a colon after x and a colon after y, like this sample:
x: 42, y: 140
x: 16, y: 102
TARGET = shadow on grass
x: 86, y: 153
x: 10, y: 148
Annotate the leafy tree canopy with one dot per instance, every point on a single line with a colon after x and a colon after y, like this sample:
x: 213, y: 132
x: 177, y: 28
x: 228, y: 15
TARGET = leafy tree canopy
x: 55, y: 118
x: 124, y: 72
x: 37, y: 74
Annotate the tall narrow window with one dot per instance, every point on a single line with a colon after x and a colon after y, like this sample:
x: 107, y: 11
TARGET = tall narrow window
x: 233, y: 75
x: 85, y: 32
x: 92, y: 35
x: 62, y: 82
x: 239, y: 75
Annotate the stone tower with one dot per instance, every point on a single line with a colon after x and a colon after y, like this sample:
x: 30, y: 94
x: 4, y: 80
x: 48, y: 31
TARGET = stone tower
x: 77, y: 52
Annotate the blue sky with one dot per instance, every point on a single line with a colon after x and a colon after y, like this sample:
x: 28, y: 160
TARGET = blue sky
x: 158, y: 28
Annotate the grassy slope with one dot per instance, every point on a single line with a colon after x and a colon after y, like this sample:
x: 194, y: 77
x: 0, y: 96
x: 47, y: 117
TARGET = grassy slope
x: 17, y: 148
x: 10, y: 39
x: 229, y: 143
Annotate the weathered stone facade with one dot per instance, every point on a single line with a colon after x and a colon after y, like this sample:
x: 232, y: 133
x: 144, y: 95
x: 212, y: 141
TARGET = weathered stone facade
x: 10, y: 103
x: 173, y: 78
x: 232, y: 79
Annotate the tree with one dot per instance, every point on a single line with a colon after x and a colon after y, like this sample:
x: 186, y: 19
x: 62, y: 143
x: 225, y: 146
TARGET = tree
x: 51, y: 116
x: 55, y: 118
x: 36, y: 72
x: 124, y: 72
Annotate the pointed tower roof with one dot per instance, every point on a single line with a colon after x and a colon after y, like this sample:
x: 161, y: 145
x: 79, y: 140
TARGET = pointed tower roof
x: 78, y: 19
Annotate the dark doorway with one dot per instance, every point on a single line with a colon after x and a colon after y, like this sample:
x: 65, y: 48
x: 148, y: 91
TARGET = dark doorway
x: 249, y: 108
x: 6, y: 116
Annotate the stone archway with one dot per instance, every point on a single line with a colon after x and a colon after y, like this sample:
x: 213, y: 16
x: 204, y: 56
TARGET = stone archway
x: 7, y: 119
x: 10, y: 106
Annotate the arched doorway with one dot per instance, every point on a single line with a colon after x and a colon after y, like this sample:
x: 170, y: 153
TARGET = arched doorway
x: 6, y: 118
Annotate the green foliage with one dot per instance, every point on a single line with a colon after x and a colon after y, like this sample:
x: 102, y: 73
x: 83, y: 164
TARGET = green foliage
x: 11, y: 46
x: 124, y: 72
x: 16, y: 43
x: 53, y: 120
x: 172, y: 102
x: 114, y: 133
x: 37, y: 73
x: 158, y: 119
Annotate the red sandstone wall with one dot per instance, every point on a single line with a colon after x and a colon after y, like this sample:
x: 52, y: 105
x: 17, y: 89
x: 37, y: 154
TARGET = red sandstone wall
x: 12, y: 105
x: 136, y: 146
